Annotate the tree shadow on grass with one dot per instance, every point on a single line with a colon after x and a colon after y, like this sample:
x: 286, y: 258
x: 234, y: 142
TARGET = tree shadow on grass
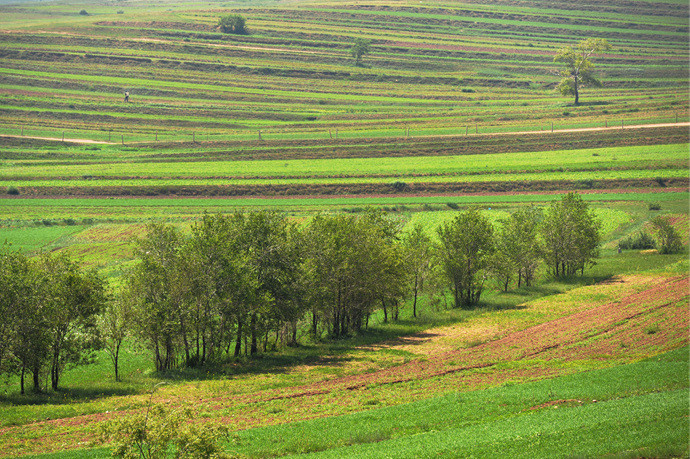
x: 265, y: 363
x: 65, y: 396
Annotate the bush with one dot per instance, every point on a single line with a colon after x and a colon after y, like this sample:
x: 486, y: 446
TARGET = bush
x: 399, y: 186
x: 154, y: 432
x: 69, y: 221
x: 233, y: 23
x: 453, y: 205
x: 667, y: 237
x: 654, y: 206
x: 639, y: 241
x: 12, y: 190
x: 83, y: 13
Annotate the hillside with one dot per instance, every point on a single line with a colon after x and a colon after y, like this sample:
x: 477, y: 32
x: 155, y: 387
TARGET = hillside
x: 454, y: 107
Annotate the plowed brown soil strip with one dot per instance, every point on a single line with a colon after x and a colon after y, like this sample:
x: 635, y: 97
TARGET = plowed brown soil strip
x: 637, y: 325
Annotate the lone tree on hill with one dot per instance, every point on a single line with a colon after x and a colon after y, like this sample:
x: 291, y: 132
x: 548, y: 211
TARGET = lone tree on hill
x: 232, y: 23
x: 359, y: 49
x: 579, y: 69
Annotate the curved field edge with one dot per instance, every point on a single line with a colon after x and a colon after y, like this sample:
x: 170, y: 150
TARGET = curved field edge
x: 620, y: 321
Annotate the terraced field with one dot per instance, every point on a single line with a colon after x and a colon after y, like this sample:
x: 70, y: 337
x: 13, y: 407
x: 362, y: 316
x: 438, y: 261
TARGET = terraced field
x: 434, y: 68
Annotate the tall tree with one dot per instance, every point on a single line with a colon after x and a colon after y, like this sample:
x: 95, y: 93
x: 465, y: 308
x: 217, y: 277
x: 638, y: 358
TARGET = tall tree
x: 417, y: 245
x: 115, y: 324
x: 571, y: 234
x: 579, y: 70
x: 519, y: 244
x: 359, y: 49
x: 74, y: 298
x: 466, y: 245
x: 14, y: 271
x: 154, y: 284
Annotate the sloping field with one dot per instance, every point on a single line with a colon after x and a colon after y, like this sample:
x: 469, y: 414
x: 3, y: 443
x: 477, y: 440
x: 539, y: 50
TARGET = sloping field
x: 433, y: 68
x: 623, y: 320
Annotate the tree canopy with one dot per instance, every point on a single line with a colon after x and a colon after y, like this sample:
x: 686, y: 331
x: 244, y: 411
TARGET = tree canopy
x: 466, y: 245
x: 579, y: 70
x: 572, y: 235
x: 233, y: 23
x: 359, y: 49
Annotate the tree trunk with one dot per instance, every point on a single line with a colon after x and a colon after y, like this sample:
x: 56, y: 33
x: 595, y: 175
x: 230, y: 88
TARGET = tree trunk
x: 252, y: 330
x: 37, y: 380
x: 414, y: 302
x: 116, y: 359
x: 21, y: 380
x: 238, y: 341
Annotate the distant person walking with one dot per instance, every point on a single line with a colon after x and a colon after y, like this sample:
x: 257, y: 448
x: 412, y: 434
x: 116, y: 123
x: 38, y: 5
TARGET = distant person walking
x: 126, y: 96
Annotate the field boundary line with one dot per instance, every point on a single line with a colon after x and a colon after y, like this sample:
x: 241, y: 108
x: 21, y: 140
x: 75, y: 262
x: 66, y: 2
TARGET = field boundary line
x: 422, y: 136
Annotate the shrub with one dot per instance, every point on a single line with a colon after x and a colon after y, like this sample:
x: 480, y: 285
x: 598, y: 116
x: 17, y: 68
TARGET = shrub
x: 639, y: 241
x: 654, y: 206
x: 453, y: 205
x: 154, y: 432
x: 83, y: 13
x: 233, y: 23
x: 12, y: 190
x: 69, y: 221
x: 399, y: 186
x: 667, y: 237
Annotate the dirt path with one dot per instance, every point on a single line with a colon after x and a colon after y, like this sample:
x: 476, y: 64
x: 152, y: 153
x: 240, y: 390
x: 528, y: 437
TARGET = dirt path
x: 57, y: 139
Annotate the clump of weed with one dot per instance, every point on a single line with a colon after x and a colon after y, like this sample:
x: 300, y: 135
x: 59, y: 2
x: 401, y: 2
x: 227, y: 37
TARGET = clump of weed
x: 652, y: 329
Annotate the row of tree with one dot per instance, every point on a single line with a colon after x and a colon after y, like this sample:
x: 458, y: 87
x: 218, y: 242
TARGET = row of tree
x: 249, y: 281
x: 245, y: 282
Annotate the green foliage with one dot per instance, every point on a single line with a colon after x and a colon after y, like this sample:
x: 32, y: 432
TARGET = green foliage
x: 417, y: 247
x: 571, y: 235
x: 466, y: 245
x: 50, y: 306
x: 12, y: 190
x: 233, y: 23
x: 579, y: 69
x: 160, y: 432
x: 668, y: 239
x: 83, y: 13
x: 518, y: 247
x: 352, y: 266
x: 654, y: 206
x: 115, y: 324
x: 359, y: 49
x: 638, y: 241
